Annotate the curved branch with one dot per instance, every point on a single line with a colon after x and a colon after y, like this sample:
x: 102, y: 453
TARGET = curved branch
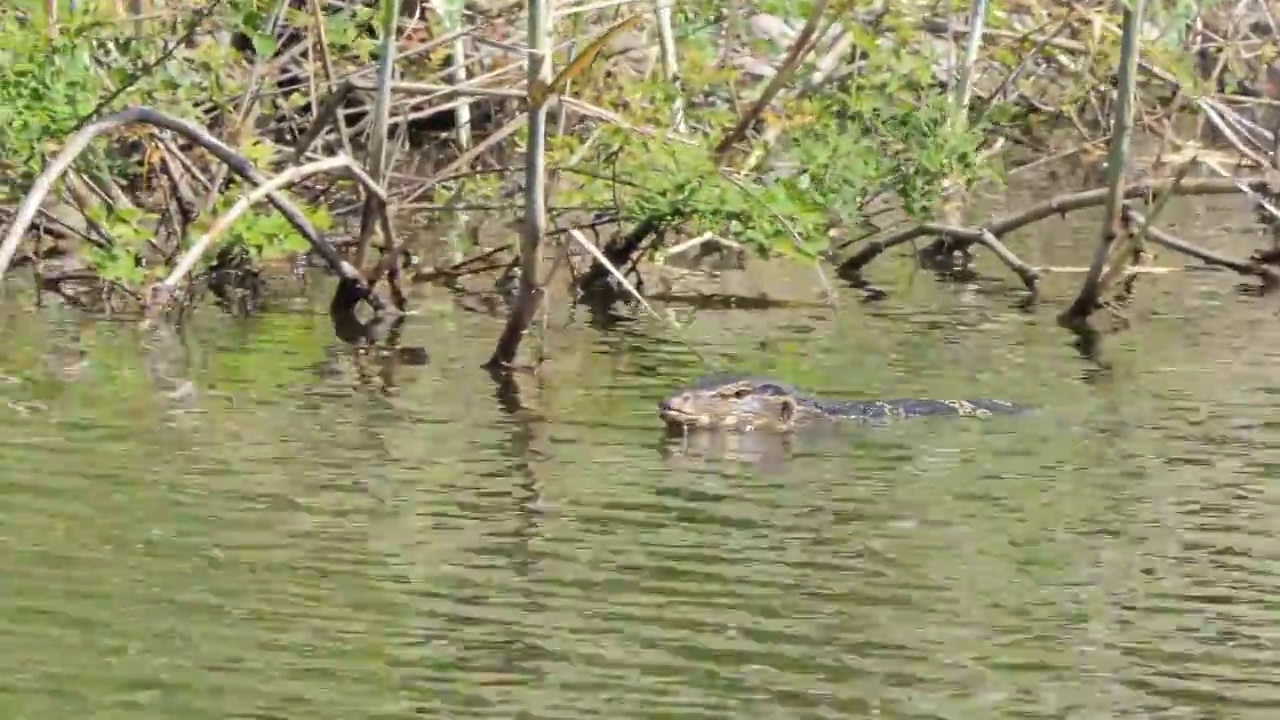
x: 77, y: 143
x: 1059, y: 205
x: 275, y: 184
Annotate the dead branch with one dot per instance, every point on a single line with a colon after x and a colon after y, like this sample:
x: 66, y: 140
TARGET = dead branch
x: 1030, y: 276
x: 1134, y: 219
x: 1058, y: 205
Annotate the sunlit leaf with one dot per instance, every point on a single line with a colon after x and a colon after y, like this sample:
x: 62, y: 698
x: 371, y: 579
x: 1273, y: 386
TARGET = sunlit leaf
x: 539, y: 92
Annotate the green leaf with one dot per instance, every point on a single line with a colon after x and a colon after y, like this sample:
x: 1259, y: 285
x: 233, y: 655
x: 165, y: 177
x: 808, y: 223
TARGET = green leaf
x: 264, y: 45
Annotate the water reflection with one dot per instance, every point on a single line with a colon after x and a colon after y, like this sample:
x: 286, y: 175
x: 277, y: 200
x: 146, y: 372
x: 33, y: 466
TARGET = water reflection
x: 767, y: 449
x: 538, y: 547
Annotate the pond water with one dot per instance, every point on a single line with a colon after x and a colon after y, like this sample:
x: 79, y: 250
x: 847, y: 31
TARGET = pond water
x: 277, y: 542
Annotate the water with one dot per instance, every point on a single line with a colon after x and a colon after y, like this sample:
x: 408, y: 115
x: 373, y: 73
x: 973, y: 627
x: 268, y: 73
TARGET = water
x: 285, y: 544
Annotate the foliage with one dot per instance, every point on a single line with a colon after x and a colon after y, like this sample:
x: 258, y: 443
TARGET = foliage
x: 46, y: 85
x: 52, y: 84
x: 889, y: 130
x: 811, y: 165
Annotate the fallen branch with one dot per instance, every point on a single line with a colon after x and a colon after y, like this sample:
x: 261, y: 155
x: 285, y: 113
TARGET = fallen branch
x: 1029, y: 275
x: 1133, y: 218
x: 1059, y: 205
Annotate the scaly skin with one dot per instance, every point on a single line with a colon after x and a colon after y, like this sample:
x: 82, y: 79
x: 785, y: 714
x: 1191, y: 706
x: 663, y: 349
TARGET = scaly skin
x: 748, y: 403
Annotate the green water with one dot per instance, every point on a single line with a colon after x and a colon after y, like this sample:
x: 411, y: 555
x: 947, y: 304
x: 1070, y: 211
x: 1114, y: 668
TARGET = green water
x: 285, y: 543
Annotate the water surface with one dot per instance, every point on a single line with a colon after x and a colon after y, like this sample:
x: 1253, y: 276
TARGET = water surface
x: 284, y: 543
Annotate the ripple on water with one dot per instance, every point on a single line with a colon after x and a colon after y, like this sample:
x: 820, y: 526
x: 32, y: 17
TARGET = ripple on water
x: 426, y: 554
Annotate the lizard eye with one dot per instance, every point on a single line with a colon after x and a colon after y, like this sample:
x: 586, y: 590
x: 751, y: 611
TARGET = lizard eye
x: 743, y: 391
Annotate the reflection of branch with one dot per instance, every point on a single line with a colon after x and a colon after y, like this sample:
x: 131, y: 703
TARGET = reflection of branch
x: 521, y: 453
x: 342, y: 313
x: 1089, y: 343
x: 506, y: 391
x: 163, y: 361
x: 381, y: 333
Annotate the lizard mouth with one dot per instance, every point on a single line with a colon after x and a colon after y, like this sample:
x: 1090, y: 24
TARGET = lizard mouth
x: 674, y: 417
x: 679, y: 419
